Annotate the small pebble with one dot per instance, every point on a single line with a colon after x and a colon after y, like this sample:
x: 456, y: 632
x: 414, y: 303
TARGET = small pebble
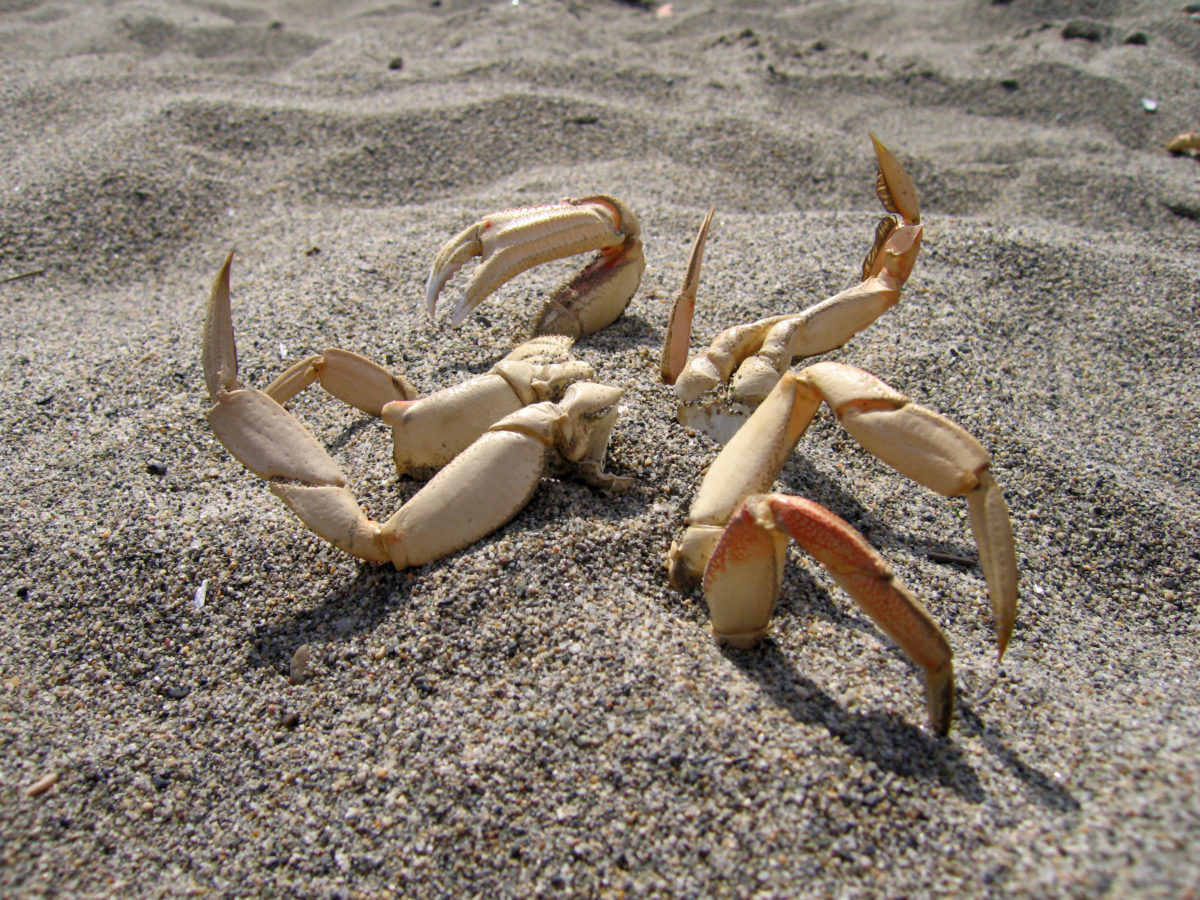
x: 42, y: 785
x: 298, y: 671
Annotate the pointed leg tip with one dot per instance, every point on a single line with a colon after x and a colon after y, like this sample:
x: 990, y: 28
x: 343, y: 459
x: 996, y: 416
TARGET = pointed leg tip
x: 939, y: 697
x: 218, y: 350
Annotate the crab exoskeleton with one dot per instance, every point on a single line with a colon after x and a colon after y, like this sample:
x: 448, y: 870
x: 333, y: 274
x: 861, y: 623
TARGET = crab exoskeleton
x: 491, y: 438
x: 734, y: 545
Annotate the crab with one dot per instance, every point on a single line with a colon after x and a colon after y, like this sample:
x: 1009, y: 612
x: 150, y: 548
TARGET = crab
x: 490, y: 439
x: 734, y: 546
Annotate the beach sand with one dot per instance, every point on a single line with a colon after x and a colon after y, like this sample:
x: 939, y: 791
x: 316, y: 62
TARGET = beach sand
x: 541, y: 713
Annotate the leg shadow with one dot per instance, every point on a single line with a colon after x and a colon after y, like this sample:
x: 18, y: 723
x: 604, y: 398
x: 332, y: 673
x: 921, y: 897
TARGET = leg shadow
x: 882, y: 738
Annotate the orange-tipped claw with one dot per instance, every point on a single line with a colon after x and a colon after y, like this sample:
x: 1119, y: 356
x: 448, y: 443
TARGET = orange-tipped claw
x: 743, y: 576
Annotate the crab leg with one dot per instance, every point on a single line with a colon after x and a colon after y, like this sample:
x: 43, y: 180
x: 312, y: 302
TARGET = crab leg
x: 761, y: 351
x: 743, y: 577
x: 679, y: 326
x: 272, y: 443
x: 512, y: 241
x: 915, y: 441
x: 429, y: 432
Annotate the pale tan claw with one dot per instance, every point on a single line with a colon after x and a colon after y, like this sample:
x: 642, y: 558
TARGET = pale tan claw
x: 515, y: 240
x: 761, y: 351
x: 992, y: 527
x: 743, y: 576
x: 914, y: 440
x: 508, y: 436
x: 218, y: 352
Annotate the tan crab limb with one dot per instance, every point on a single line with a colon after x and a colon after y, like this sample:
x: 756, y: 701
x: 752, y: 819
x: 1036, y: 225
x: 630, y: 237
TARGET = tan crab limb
x: 818, y: 329
x: 479, y: 491
x: 935, y: 452
x: 351, y: 378
x: 429, y: 432
x: 333, y: 513
x: 992, y: 527
x: 748, y: 464
x: 743, y: 576
x: 679, y: 325
x: 761, y: 351
x: 218, y: 350
x: 513, y: 241
x: 894, y: 187
x: 272, y: 444
x: 494, y: 478
x: 914, y: 440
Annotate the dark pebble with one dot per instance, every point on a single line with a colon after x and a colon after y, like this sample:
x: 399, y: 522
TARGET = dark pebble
x: 156, y: 468
x: 1084, y: 29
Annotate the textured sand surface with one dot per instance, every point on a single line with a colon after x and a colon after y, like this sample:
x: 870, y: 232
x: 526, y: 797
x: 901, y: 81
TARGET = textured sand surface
x: 541, y: 714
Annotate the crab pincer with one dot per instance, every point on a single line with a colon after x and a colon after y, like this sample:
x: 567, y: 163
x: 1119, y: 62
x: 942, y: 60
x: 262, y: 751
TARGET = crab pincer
x: 515, y: 240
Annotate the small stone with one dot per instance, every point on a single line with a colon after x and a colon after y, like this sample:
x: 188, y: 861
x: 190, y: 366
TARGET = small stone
x: 1137, y: 38
x: 290, y: 720
x: 298, y: 671
x: 156, y: 468
x: 396, y: 63
x: 42, y: 785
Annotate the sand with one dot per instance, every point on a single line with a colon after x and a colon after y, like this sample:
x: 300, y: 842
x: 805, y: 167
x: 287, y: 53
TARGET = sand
x: 541, y: 713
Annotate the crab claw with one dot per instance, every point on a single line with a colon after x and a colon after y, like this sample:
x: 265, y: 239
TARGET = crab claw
x: 754, y: 355
x: 514, y: 240
x: 743, y: 576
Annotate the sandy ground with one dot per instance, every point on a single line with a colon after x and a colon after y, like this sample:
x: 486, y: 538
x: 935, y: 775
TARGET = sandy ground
x: 541, y: 714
